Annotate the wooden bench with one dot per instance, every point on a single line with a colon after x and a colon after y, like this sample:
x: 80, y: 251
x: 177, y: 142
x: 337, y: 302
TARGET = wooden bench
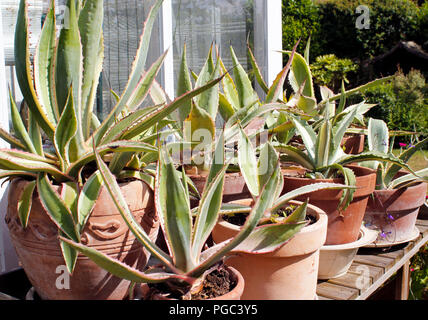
x: 372, y: 268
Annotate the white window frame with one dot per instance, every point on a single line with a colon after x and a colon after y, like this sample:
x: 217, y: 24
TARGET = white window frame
x: 268, y: 38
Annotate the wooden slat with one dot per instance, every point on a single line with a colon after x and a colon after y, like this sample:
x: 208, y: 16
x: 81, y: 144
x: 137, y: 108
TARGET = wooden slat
x: 373, y: 272
x: 359, y: 281
x: 336, y: 292
x: 376, y: 261
x: 396, y: 255
x: 371, y: 268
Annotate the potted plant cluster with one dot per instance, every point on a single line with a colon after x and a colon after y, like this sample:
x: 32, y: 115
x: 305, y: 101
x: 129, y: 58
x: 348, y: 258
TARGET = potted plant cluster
x: 56, y: 187
x: 93, y: 194
x: 394, y: 205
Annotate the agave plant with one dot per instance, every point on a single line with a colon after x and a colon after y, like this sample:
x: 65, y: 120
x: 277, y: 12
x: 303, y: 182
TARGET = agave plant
x: 386, y: 178
x: 59, y: 89
x: 323, y: 156
x: 186, y: 230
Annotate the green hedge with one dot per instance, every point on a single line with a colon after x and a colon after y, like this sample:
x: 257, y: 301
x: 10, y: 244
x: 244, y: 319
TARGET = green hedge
x: 402, y: 103
x: 332, y: 26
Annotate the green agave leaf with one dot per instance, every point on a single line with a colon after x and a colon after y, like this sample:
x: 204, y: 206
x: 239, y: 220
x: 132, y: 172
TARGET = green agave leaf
x: 12, y: 140
x: 143, y: 86
x: 70, y: 196
x: 174, y: 210
x: 147, y: 178
x: 43, y: 62
x: 23, y: 70
x: 160, y: 113
x: 308, y: 135
x: 27, y: 156
x: 56, y: 208
x: 90, y: 29
x: 229, y: 88
x: 120, y: 269
x: 35, y: 134
x: 225, y: 107
x: 65, y: 131
x: 257, y: 71
x: 265, y: 239
x: 136, y: 72
x: 296, y: 155
x: 358, y: 89
x: 87, y: 199
x: 198, y: 121
x: 285, y: 198
x: 275, y: 91
x: 405, y: 156
x: 340, y: 128
x: 19, y: 127
x: 25, y: 202
x: 69, y: 253
x: 11, y: 162
x: 248, y: 163
x: 300, y: 74
x: 409, y: 179
x: 268, y: 162
x: 323, y: 142
x: 184, y: 84
x: 208, y: 99
x: 211, y: 200
x: 246, y: 93
x: 116, y: 146
x: 16, y: 173
x: 261, y: 205
x: 116, y: 195
x: 68, y: 73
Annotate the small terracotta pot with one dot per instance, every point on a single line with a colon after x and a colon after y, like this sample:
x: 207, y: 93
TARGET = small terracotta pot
x: 394, y: 212
x: 289, y: 273
x: 234, y: 294
x: 234, y: 185
x: 343, y: 227
x: 39, y: 252
x: 353, y: 143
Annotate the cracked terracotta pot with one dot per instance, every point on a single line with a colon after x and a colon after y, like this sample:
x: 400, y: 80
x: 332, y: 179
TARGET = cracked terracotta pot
x: 343, y: 227
x: 394, y: 212
x: 39, y: 252
x: 288, y: 273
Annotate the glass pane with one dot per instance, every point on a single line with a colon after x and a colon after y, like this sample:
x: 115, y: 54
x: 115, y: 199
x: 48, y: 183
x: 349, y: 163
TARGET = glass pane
x: 199, y: 23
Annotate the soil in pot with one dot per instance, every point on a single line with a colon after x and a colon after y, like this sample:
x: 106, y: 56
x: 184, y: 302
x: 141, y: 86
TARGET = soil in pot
x: 289, y: 273
x: 394, y: 212
x: 223, y: 283
x: 39, y: 251
x: 343, y: 226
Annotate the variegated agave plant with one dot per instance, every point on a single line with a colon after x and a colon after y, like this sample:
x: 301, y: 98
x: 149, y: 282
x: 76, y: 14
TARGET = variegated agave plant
x: 59, y: 89
x: 378, y: 140
x: 186, y: 230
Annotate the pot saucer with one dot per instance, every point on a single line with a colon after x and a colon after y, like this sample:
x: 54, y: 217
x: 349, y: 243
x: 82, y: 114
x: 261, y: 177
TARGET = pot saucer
x: 335, y: 260
x: 384, y: 243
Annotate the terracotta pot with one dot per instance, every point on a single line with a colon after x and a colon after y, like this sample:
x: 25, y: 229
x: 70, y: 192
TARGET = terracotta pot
x: 343, y: 227
x: 394, y: 212
x: 39, y: 251
x: 234, y: 185
x: 289, y: 273
x: 353, y: 143
x: 234, y: 294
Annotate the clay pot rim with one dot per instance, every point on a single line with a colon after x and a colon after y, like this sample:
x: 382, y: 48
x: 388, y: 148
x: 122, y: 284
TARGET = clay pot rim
x: 204, y: 176
x: 314, y: 211
x: 368, y: 172
x: 366, y: 236
x: 235, y: 292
